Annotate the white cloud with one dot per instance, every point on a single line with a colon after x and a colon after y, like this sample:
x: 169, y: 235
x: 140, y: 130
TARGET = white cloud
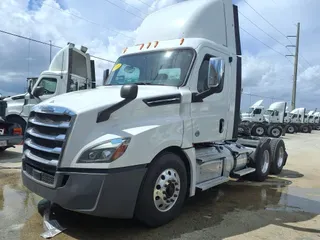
x: 264, y: 71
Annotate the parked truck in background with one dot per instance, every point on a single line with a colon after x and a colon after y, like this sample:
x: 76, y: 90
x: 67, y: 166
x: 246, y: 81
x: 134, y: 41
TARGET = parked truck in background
x: 297, y: 118
x: 317, y: 120
x: 260, y: 122
x: 164, y: 125
x: 10, y: 134
x: 52, y: 82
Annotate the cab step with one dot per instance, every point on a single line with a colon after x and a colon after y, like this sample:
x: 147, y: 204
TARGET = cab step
x: 243, y: 172
x: 211, y: 183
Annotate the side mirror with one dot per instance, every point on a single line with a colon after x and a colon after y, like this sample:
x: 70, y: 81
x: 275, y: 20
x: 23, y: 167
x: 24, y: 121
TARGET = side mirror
x: 129, y: 91
x: 105, y: 76
x: 215, y: 72
x: 39, y: 91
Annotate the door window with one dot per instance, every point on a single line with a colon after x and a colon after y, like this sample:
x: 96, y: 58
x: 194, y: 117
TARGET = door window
x: 49, y: 85
x: 257, y: 111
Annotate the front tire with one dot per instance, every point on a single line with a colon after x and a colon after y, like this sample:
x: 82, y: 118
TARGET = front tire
x: 163, y: 191
x: 18, y: 121
x: 258, y: 130
x: 304, y: 129
x: 291, y: 129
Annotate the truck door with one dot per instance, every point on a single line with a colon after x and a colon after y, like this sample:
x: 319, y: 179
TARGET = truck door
x: 209, y: 116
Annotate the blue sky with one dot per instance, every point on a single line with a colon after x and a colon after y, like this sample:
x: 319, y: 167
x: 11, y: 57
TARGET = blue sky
x: 265, y: 72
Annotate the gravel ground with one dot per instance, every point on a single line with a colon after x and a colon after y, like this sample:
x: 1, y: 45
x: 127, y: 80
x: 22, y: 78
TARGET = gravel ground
x: 283, y: 207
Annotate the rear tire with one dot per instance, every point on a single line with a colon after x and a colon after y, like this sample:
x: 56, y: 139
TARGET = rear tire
x: 163, y: 191
x: 275, y: 131
x: 278, y: 156
x: 262, y: 163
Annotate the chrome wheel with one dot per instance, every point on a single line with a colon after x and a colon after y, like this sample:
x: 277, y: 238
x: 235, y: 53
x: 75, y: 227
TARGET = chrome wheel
x: 275, y: 132
x: 290, y: 129
x: 259, y: 131
x: 166, y: 190
x: 280, y: 157
x: 266, y: 161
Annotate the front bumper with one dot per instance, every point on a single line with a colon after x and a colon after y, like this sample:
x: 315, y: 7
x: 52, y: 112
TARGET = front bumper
x: 106, y: 193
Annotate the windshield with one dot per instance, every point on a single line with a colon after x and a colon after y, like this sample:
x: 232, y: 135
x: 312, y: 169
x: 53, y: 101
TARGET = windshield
x: 154, y: 68
x: 269, y: 112
x: 250, y: 110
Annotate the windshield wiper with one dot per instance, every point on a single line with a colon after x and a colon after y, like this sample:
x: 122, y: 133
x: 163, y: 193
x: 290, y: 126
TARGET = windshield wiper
x: 146, y: 83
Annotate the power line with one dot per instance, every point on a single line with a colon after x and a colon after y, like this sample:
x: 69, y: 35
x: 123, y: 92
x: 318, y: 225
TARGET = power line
x: 133, y: 7
x: 265, y: 19
x: 124, y: 9
x: 262, y: 42
x: 262, y: 29
x: 48, y: 44
x: 274, y: 28
x: 145, y: 3
x: 87, y: 20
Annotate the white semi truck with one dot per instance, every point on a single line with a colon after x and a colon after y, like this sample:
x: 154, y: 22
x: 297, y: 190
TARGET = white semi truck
x: 10, y: 134
x: 317, y: 120
x: 260, y: 122
x: 164, y: 125
x: 52, y: 82
x: 297, y: 117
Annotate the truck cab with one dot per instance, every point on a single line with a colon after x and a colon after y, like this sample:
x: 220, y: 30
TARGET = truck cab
x: 69, y: 71
x: 255, y: 113
x: 275, y: 112
x: 164, y: 125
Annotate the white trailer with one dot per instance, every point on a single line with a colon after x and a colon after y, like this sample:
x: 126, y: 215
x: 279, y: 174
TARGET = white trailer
x: 164, y: 125
x: 53, y: 82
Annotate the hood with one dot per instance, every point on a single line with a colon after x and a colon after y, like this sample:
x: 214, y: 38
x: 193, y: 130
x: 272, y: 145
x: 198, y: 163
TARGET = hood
x: 15, y: 97
x: 102, y: 96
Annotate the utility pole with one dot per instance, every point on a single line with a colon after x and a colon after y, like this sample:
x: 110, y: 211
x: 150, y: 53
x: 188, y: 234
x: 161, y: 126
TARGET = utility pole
x: 50, y: 50
x: 295, y: 73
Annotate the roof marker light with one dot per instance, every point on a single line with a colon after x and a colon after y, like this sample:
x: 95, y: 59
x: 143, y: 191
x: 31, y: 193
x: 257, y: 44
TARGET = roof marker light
x: 156, y: 44
x: 181, y: 41
x: 124, y: 50
x: 141, y: 46
x: 149, y: 44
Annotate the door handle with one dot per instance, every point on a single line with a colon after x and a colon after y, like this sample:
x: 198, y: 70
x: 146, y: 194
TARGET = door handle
x: 221, y: 125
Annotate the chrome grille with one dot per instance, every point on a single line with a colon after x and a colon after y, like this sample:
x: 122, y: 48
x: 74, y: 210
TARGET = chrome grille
x: 45, y: 138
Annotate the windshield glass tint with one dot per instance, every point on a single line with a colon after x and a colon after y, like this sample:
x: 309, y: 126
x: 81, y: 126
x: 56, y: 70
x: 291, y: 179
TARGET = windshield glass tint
x: 155, y: 68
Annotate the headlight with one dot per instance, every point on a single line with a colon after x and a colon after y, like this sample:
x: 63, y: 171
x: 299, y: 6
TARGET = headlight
x: 105, y: 152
